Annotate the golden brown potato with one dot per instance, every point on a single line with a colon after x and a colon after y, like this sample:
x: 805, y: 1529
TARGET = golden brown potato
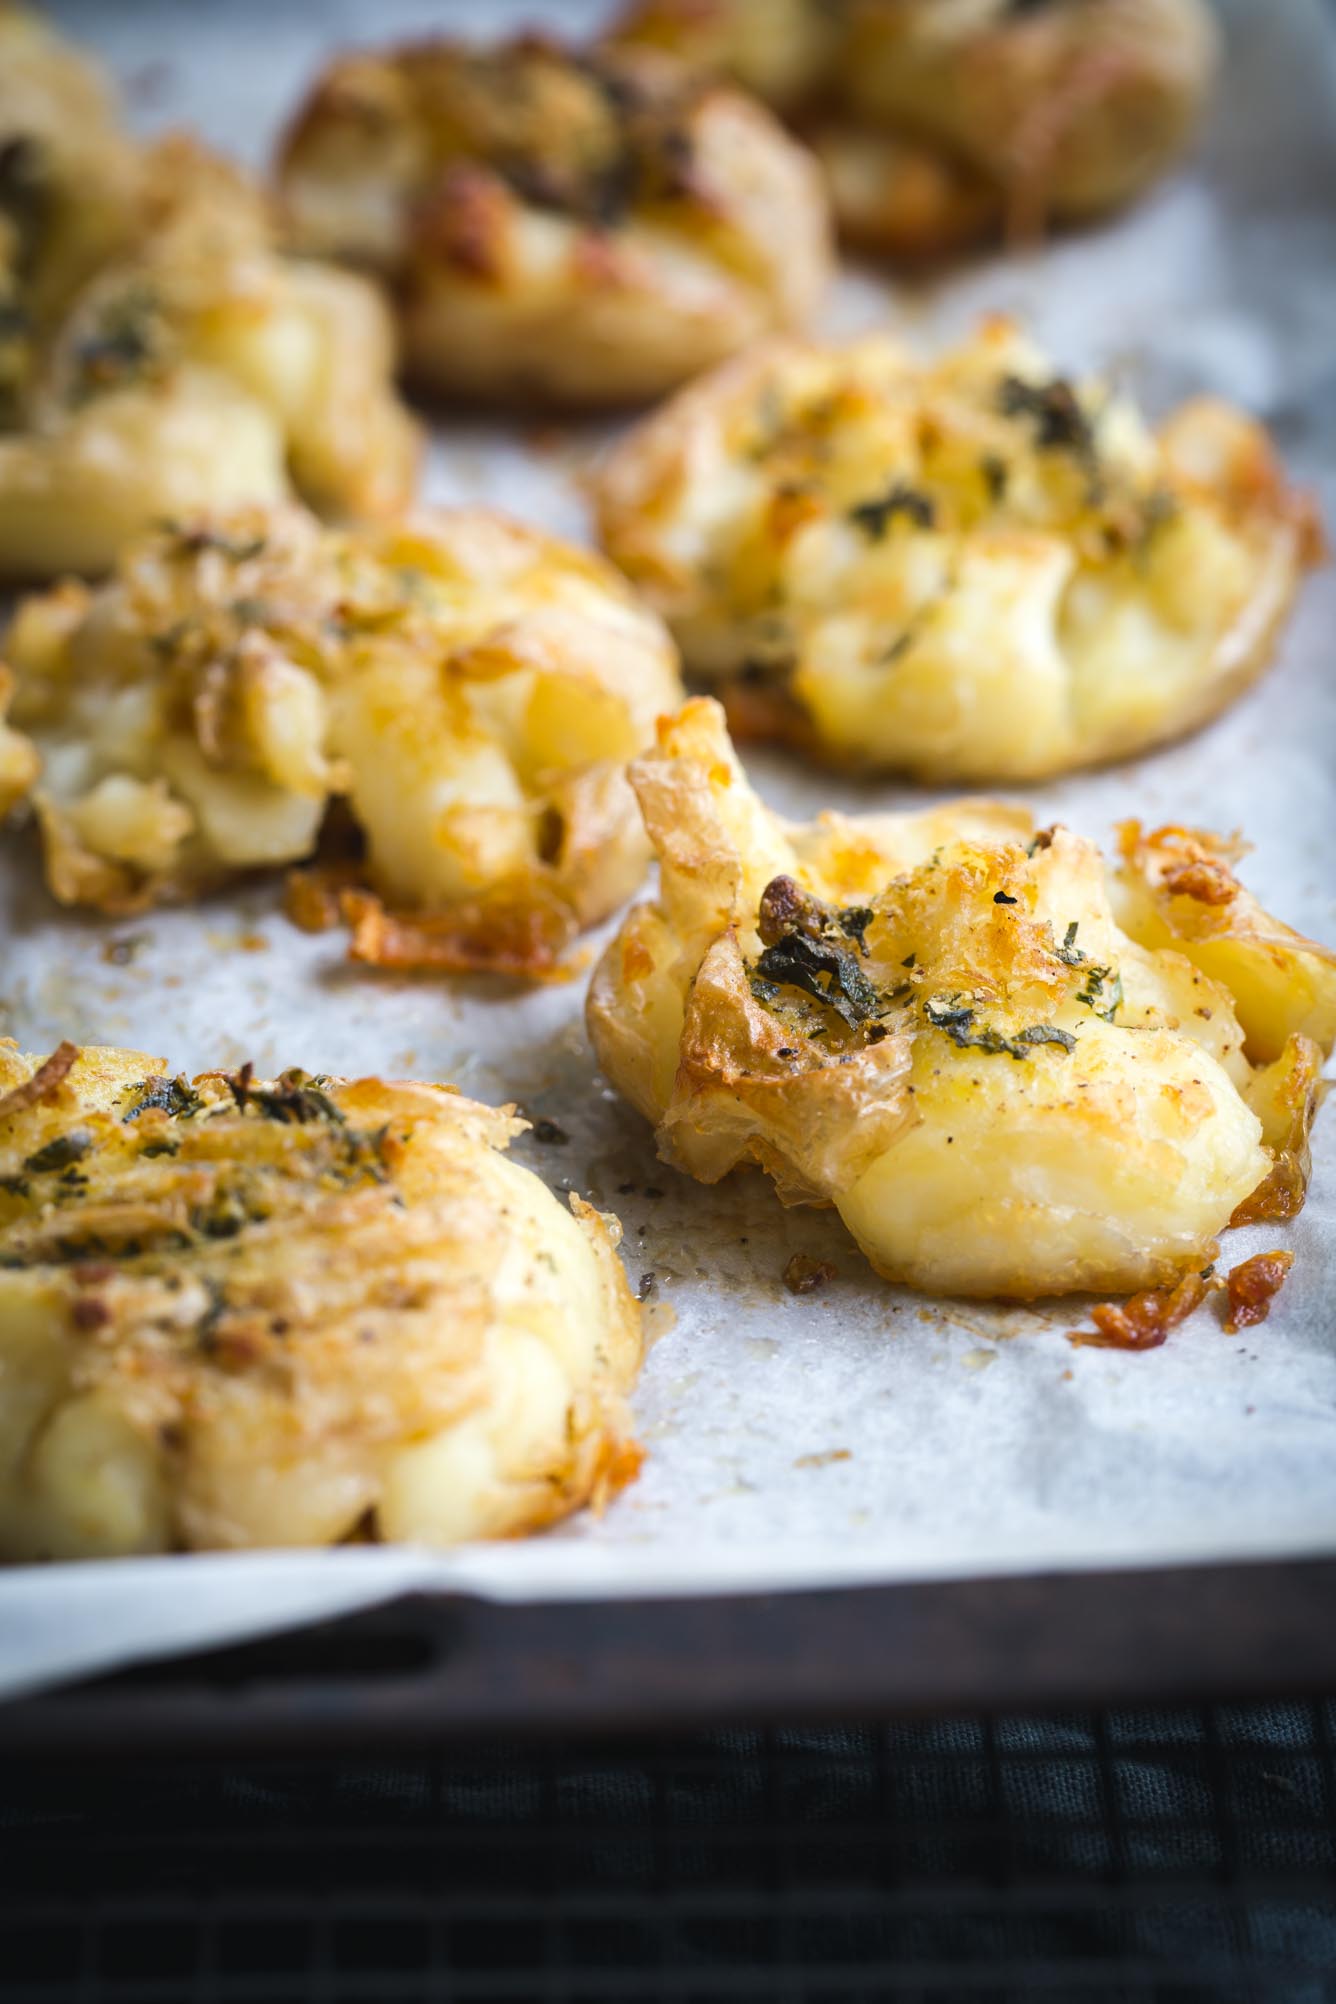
x: 938, y: 120
x: 242, y: 1314
x: 67, y: 182
x: 192, y: 366
x: 471, y: 688
x: 970, y: 569
x: 585, y: 229
x: 1011, y: 1075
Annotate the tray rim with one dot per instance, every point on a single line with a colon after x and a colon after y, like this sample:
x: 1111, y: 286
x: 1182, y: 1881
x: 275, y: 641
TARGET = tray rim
x: 456, y: 1667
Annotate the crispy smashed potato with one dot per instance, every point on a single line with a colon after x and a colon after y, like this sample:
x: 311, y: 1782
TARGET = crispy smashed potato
x: 236, y: 1313
x: 941, y: 121
x: 472, y: 690
x: 580, y: 228
x: 967, y: 569
x: 1012, y: 1072
x: 67, y: 178
x: 157, y: 352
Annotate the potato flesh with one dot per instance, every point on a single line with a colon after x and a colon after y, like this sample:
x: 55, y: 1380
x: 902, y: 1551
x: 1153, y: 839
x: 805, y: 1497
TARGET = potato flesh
x: 1089, y: 1170
x: 453, y: 1365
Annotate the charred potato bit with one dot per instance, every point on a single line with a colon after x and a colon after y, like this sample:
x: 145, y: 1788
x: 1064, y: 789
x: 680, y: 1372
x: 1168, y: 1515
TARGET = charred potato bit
x: 969, y: 569
x: 940, y: 122
x: 577, y: 228
x: 236, y: 1313
x: 1014, y: 1072
x: 471, y: 688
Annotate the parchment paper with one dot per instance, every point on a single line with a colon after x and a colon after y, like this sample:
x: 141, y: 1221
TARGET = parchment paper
x: 858, y: 1434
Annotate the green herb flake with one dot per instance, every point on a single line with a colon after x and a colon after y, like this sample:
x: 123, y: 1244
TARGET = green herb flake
x: 60, y: 1153
x: 1103, y: 992
x: 295, y: 1099
x: 875, y: 516
x: 1069, y: 953
x: 957, y: 1020
x: 176, y: 1097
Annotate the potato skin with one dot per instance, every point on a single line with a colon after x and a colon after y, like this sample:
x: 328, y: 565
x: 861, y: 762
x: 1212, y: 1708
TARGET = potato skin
x: 1013, y: 1074
x: 939, y: 125
x: 572, y: 229
x: 970, y: 569
x: 472, y: 688
x: 177, y: 360
x: 240, y: 1314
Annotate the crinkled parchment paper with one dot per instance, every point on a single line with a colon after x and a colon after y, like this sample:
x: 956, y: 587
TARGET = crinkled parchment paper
x: 858, y: 1433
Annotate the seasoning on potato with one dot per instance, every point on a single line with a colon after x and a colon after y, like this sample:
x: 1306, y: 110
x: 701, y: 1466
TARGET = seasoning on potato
x: 970, y: 568
x: 1014, y: 1070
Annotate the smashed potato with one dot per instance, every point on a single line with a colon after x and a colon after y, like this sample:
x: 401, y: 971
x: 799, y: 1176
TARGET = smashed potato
x: 582, y: 228
x: 67, y: 176
x: 1012, y: 1072
x: 236, y: 1313
x: 472, y: 690
x: 972, y: 568
x: 192, y: 366
x: 940, y: 121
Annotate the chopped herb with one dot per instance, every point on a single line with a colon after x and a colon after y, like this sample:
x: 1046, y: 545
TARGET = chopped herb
x: 161, y: 1095
x: 804, y: 948
x: 296, y: 1097
x: 60, y: 1153
x: 1069, y: 953
x: 1054, y: 409
x: 957, y: 1019
x: 831, y: 975
x: 909, y: 960
x: 1001, y: 898
x: 874, y: 517
x: 249, y: 611
x: 193, y: 538
x: 1047, y: 1033
x: 126, y: 344
x: 996, y: 475
x: 1103, y: 992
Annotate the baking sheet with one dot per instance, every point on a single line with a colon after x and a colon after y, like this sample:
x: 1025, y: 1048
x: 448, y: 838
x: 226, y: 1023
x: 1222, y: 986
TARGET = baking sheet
x: 860, y: 1434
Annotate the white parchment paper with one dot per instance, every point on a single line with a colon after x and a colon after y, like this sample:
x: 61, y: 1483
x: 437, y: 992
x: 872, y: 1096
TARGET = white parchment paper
x: 860, y: 1434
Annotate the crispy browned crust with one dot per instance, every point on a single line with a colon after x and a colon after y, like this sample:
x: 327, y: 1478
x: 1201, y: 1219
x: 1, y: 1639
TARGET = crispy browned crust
x: 521, y: 937
x: 1142, y: 1322
x: 1252, y: 1287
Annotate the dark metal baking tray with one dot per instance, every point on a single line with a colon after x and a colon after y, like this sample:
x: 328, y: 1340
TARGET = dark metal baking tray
x: 429, y: 1669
